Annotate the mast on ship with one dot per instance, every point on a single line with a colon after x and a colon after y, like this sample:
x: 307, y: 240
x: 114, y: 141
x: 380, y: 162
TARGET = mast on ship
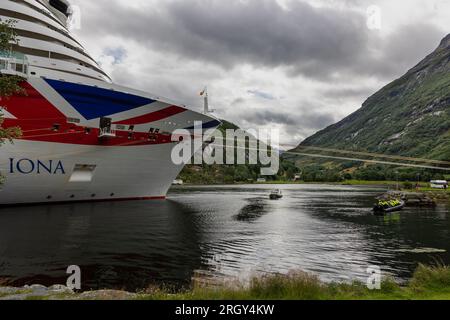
x: 205, y: 96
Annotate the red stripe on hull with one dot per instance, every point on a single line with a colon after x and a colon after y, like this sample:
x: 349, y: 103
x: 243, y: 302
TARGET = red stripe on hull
x: 31, y: 107
x: 84, y: 201
x: 152, y: 117
x: 37, y: 117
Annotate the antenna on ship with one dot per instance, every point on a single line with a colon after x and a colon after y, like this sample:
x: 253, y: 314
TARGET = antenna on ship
x: 205, y: 96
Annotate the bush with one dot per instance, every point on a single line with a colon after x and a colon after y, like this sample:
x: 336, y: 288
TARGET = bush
x: 408, y: 185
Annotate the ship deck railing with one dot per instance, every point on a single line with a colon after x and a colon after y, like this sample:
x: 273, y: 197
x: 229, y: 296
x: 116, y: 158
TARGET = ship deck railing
x: 13, y: 63
x: 107, y: 133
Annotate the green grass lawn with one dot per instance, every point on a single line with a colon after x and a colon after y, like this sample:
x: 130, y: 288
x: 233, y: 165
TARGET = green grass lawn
x: 428, y: 283
x: 428, y: 189
x: 366, y: 182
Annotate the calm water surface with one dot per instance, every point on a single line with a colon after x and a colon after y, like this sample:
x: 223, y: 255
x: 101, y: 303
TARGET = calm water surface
x: 229, y: 231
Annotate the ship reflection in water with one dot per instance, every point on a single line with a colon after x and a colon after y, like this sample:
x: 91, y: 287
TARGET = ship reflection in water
x: 231, y: 231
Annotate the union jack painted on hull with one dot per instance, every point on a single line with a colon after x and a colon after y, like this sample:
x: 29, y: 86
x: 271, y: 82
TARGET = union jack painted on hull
x: 84, y: 138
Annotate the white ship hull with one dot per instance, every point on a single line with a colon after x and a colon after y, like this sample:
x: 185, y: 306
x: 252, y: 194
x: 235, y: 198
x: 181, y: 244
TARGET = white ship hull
x: 83, y: 138
x: 63, y: 157
x: 122, y: 173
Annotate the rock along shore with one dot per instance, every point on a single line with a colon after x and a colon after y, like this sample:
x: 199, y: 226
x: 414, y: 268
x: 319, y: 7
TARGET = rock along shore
x: 60, y: 292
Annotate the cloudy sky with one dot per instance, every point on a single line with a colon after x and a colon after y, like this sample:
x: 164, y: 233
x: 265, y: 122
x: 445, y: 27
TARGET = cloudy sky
x: 295, y: 65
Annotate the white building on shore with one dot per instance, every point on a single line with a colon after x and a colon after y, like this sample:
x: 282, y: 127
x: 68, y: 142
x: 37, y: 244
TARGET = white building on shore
x: 439, y: 184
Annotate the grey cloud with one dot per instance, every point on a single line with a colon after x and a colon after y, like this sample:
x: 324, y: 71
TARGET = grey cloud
x: 314, y: 42
x: 302, y: 118
x: 402, y: 50
x: 237, y: 101
x: 297, y: 125
x: 261, y: 94
x: 233, y: 32
x: 347, y: 92
x: 118, y: 54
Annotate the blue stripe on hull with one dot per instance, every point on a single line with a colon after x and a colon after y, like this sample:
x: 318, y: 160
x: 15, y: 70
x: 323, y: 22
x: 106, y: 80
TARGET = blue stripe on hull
x: 208, y: 125
x: 93, y: 102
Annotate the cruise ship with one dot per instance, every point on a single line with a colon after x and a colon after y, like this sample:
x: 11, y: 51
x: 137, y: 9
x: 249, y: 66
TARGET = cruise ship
x: 84, y: 138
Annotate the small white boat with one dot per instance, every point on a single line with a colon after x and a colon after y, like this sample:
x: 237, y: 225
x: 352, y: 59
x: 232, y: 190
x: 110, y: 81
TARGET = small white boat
x: 178, y: 182
x: 276, y: 194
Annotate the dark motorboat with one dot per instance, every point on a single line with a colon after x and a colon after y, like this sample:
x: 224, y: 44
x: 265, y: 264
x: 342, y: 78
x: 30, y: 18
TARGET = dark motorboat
x: 388, y: 206
x: 276, y: 194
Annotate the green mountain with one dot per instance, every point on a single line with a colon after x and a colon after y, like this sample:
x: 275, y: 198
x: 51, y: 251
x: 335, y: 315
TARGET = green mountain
x: 228, y: 174
x: 408, y: 117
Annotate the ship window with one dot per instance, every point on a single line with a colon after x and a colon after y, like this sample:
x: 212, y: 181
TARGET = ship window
x: 105, y: 123
x: 131, y: 128
x: 56, y: 126
x: 2, y: 64
x: 73, y: 120
x: 60, y: 6
x: 82, y: 173
x: 151, y: 130
x: 157, y: 131
x: 33, y: 73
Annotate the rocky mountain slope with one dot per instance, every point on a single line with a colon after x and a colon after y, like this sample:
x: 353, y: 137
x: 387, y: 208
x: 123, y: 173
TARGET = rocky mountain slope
x: 408, y: 117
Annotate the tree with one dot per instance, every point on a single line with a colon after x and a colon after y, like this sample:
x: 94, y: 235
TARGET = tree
x: 9, y: 85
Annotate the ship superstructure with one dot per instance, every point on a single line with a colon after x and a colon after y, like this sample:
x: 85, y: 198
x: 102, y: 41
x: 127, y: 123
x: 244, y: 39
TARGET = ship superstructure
x: 84, y: 137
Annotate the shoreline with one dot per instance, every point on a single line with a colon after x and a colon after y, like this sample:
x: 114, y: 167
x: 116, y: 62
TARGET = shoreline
x: 438, y: 194
x: 345, y: 183
x: 371, y: 183
x: 427, y: 283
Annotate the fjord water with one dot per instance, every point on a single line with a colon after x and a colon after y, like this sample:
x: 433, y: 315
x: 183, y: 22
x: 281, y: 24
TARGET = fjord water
x: 223, y: 231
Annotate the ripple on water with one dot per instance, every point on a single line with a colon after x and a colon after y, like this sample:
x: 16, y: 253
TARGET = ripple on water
x: 223, y: 231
